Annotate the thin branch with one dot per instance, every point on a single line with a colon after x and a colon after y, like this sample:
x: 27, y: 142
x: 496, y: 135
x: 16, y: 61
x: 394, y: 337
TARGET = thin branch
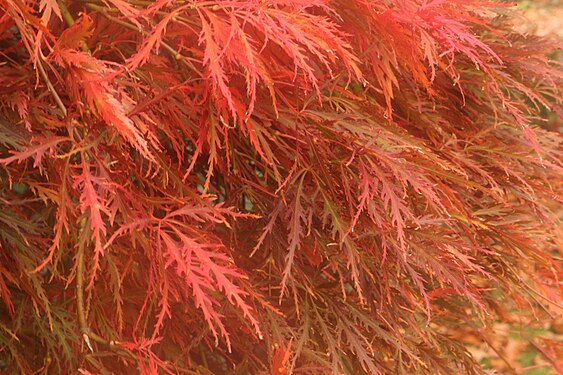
x: 174, y: 52
x: 553, y: 361
x: 498, y: 352
x: 134, y: 2
x: 52, y: 90
x: 159, y: 12
x: 69, y: 20
x: 67, y: 17
x: 87, y: 333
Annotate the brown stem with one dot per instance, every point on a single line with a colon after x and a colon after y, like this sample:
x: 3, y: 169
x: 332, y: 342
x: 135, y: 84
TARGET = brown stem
x: 134, y: 2
x: 553, y: 361
x: 67, y: 17
x: 142, y: 3
x: 87, y: 333
x: 498, y: 352
x: 54, y: 93
x: 69, y: 20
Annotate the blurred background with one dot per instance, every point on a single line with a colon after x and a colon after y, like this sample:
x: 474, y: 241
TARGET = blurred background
x: 528, y: 346
x: 545, y: 17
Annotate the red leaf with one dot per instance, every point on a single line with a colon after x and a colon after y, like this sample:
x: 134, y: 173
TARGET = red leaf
x: 37, y: 151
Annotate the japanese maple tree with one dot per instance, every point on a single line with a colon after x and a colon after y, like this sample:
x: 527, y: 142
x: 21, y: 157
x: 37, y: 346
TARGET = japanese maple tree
x: 271, y: 186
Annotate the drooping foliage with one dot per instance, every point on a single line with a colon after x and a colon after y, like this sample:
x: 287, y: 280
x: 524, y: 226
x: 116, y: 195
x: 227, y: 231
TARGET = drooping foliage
x: 270, y: 186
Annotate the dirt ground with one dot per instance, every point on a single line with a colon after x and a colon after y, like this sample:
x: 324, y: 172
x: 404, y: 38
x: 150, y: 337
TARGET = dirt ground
x: 545, y: 17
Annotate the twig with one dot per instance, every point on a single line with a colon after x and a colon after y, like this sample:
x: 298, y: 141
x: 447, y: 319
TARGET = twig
x: 87, y: 334
x: 54, y: 93
x: 135, y: 2
x: 175, y: 53
x: 501, y: 356
x: 67, y: 17
x: 142, y: 3
x: 69, y: 20
x: 553, y: 361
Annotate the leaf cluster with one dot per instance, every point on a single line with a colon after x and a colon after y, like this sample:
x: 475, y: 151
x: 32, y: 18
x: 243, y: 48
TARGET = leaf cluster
x: 271, y: 186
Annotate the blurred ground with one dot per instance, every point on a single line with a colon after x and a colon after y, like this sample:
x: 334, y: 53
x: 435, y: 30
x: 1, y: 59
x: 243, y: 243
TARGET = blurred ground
x: 545, y: 17
x: 532, y: 347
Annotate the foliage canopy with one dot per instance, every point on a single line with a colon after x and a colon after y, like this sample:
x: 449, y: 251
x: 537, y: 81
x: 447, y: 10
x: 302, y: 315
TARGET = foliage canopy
x: 270, y: 186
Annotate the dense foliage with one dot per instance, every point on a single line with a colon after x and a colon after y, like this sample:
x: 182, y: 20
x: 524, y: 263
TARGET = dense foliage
x: 270, y: 186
